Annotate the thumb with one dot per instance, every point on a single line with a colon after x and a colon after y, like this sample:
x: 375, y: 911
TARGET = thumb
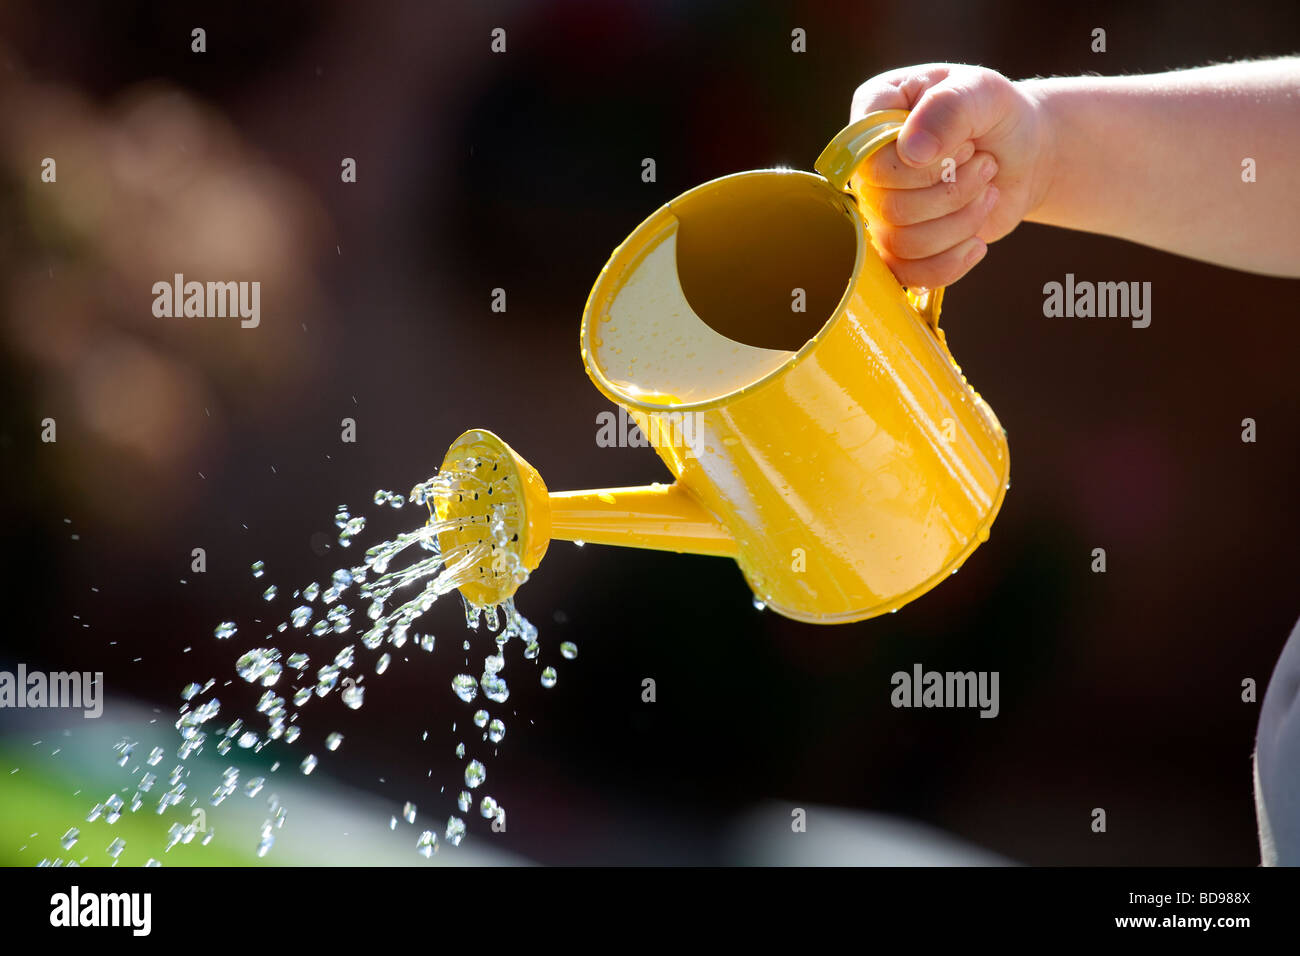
x: 957, y: 109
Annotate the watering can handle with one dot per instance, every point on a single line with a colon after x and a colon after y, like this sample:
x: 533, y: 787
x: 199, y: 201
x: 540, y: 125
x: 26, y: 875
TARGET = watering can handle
x: 847, y: 151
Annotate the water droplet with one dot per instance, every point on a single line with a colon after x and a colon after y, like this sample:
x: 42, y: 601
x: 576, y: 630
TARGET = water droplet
x: 548, y: 677
x: 298, y: 661
x: 569, y: 650
x: 466, y: 687
x: 270, y: 593
x: 69, y: 839
x: 254, y: 786
x: 463, y: 801
x: 381, y: 665
x: 310, y: 592
x: 333, y: 740
x: 300, y: 616
x: 116, y: 847
x: 475, y: 774
x: 480, y: 718
x: 427, y: 845
x: 408, y: 812
x: 308, y: 764
x: 472, y: 615
x: 353, y: 694
x: 455, y: 830
x: 496, y: 730
x: 258, y: 568
x: 189, y: 691
x: 488, y: 807
x: 495, y: 688
x: 254, y: 665
x: 326, y: 678
x: 224, y: 630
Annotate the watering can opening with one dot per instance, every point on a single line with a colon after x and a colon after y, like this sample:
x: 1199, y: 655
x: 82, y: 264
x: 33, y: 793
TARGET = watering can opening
x: 765, y: 259
x: 721, y: 288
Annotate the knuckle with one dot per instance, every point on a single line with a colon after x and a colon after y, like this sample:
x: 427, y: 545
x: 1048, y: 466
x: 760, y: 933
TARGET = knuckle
x: 887, y: 239
x: 944, y: 105
x: 907, y: 242
x: 976, y: 210
x: 891, y: 208
x: 880, y: 169
x: 991, y: 83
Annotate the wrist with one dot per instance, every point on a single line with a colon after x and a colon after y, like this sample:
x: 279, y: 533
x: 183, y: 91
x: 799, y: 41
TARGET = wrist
x: 1042, y: 100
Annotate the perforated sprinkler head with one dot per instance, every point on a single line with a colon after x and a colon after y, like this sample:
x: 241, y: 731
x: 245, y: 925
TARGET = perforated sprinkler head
x: 500, y: 514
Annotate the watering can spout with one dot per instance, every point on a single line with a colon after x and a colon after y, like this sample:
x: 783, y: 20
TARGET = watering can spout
x: 657, y: 516
x: 491, y: 504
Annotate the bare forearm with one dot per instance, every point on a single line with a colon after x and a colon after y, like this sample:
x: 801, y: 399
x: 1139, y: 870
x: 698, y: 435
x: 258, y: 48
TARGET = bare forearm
x: 1159, y: 159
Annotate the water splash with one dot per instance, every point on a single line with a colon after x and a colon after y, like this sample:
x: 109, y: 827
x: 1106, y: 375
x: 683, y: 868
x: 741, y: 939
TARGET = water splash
x: 393, y: 584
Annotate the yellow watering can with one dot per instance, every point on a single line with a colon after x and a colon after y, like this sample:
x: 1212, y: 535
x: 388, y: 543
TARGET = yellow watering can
x: 819, y: 430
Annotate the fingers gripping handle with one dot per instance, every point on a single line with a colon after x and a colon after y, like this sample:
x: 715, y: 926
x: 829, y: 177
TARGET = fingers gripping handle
x: 849, y: 149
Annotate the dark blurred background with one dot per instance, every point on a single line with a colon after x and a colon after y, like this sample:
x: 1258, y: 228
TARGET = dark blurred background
x: 522, y: 171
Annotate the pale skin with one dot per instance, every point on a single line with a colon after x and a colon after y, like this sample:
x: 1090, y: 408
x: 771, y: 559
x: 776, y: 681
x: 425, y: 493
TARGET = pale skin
x: 1156, y: 159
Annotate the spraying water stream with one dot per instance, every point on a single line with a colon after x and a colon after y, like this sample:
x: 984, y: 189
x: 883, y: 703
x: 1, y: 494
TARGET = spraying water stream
x: 394, y: 584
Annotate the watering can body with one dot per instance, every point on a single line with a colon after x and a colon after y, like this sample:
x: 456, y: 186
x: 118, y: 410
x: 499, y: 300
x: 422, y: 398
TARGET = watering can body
x: 817, y: 427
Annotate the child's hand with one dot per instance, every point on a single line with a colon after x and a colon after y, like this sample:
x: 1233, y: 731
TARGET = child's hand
x: 928, y: 231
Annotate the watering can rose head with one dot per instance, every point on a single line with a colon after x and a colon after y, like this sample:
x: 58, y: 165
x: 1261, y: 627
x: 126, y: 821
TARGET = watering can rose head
x: 837, y: 452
